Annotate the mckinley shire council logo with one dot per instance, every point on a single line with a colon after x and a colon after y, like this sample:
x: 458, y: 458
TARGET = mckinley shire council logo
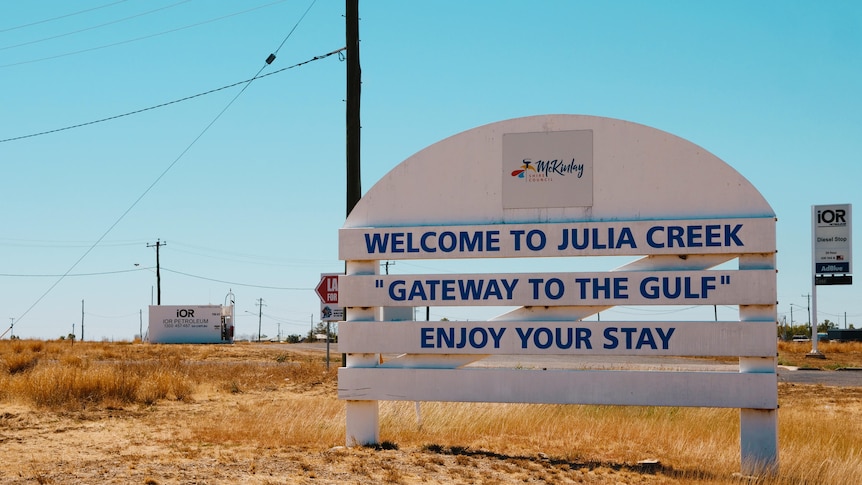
x: 545, y: 170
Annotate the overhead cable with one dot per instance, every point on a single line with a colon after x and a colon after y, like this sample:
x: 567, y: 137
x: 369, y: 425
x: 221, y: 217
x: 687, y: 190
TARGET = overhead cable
x: 136, y: 39
x: 162, y: 105
x: 145, y: 192
x: 94, y: 27
x: 43, y: 21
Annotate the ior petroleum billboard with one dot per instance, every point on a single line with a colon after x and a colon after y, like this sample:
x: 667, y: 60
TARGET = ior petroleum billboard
x: 191, y: 324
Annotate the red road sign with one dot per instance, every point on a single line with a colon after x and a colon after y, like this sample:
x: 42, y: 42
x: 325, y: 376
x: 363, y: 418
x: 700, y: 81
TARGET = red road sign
x: 327, y: 289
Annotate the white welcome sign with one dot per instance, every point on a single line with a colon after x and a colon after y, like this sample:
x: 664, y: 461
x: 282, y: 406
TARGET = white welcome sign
x: 562, y: 186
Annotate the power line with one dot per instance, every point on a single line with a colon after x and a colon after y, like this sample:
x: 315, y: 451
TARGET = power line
x: 94, y: 26
x: 72, y: 275
x: 162, y: 105
x: 128, y: 41
x: 79, y: 12
x: 237, y: 284
x: 147, y: 190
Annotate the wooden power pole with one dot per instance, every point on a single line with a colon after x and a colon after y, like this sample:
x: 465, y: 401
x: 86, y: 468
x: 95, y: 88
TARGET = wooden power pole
x: 354, y: 89
x: 157, y: 245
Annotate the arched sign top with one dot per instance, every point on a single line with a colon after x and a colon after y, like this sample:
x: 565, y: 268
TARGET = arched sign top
x: 558, y: 168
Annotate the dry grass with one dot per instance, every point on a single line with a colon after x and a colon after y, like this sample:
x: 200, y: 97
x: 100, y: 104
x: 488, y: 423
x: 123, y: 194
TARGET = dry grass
x: 258, y: 413
x: 839, y: 355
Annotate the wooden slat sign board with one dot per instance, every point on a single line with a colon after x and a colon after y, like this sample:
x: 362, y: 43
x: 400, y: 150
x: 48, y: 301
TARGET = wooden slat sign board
x: 562, y: 186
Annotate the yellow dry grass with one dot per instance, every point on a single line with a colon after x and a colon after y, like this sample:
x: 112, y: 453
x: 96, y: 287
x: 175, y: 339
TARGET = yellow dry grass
x: 261, y: 413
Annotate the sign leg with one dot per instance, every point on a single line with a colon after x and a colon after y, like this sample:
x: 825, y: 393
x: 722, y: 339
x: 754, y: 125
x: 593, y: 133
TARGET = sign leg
x: 363, y: 423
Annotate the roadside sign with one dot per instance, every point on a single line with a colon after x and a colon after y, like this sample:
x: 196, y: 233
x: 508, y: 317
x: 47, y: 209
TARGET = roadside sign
x: 832, y: 240
x: 327, y: 291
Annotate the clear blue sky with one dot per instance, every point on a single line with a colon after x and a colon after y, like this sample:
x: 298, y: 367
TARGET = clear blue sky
x: 770, y: 87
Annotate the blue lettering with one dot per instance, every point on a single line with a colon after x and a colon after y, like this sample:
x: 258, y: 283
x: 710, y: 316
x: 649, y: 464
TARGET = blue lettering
x: 628, y: 331
x: 705, y: 286
x: 444, y: 339
x: 731, y: 234
x: 536, y: 246
x: 584, y: 242
x: 596, y: 244
x: 374, y: 243
x: 427, y: 337
x: 645, y: 339
x: 713, y: 235
x: 447, y: 242
x: 626, y: 237
x: 470, y: 290
x: 410, y: 247
x: 417, y: 291
x: 517, y: 242
x: 425, y: 246
x: 448, y: 290
x: 492, y: 289
x: 694, y: 236
x: 492, y: 243
x: 471, y: 244
x: 524, y: 336
x: 649, y: 237
x: 583, y: 337
x: 478, y: 343
x: 397, y: 242
x: 497, y: 336
x: 561, y: 344
x: 396, y: 290
x: 549, y: 338
x: 463, y: 342
x: 666, y: 287
x: 648, y: 290
x: 675, y: 233
x: 665, y: 338
x: 612, y: 340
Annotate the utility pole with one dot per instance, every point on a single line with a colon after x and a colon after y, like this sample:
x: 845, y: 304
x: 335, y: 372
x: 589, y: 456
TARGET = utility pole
x: 82, y: 320
x: 141, y: 324
x: 352, y: 118
x: 157, y: 245
x: 259, y: 316
x: 12, y: 328
x: 354, y: 89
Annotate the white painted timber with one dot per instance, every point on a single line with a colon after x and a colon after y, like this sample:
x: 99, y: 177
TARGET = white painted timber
x: 561, y: 289
x: 562, y: 186
x: 756, y: 339
x: 630, y: 388
x: 620, y: 238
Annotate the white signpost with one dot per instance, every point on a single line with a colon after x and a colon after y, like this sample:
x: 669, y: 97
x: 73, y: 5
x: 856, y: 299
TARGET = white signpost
x: 562, y: 186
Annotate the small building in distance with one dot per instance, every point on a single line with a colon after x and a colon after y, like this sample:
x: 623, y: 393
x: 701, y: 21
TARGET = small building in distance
x: 845, y: 335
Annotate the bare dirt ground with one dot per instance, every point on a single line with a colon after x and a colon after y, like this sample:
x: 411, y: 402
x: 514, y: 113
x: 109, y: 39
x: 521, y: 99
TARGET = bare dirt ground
x: 154, y: 444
